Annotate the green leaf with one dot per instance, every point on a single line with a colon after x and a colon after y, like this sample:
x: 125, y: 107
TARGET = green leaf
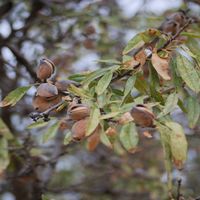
x: 104, y: 82
x: 78, y: 91
x: 68, y: 138
x: 109, y: 115
x: 129, y: 137
x: 105, y: 140
x: 77, y: 77
x: 178, y: 144
x: 165, y: 140
x: 96, y: 74
x: 109, y: 61
x: 128, y: 87
x: 193, y: 114
x: 93, y: 120
x: 140, y: 39
x: 4, y: 130
x: 14, y: 96
x: 188, y: 73
x: 134, y: 43
x: 170, y: 104
x: 51, y: 132
x: 4, y: 157
x: 191, y: 34
x: 37, y: 124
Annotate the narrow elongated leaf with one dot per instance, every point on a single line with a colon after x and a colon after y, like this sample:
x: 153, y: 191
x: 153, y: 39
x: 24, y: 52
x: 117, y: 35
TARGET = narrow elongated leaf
x: 14, y: 96
x: 170, y: 104
x: 4, y: 130
x: 37, y: 124
x: 78, y: 91
x: 188, y: 73
x: 93, y: 120
x: 140, y: 39
x: 109, y: 61
x: 98, y: 73
x: 51, y: 132
x: 105, y: 140
x: 68, y: 138
x: 4, y: 157
x: 109, y: 115
x: 165, y: 140
x: 134, y: 43
x: 104, y: 82
x: 193, y: 108
x: 178, y: 144
x: 129, y: 86
x: 129, y: 137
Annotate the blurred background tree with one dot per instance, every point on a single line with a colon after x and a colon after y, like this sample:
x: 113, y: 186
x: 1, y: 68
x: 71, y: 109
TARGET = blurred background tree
x: 74, y: 34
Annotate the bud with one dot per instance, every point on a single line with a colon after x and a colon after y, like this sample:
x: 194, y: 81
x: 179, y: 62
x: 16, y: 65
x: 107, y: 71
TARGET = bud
x: 45, y: 69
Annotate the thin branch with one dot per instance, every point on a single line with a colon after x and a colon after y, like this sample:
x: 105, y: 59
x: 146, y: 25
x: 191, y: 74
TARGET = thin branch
x: 21, y: 59
x: 179, y: 189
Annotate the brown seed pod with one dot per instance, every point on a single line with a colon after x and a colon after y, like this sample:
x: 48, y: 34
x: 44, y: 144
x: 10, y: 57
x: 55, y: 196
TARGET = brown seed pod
x: 79, y: 129
x: 47, y: 90
x: 89, y: 30
x: 88, y: 44
x: 41, y: 103
x: 79, y: 112
x: 142, y: 116
x: 45, y: 69
x: 94, y: 140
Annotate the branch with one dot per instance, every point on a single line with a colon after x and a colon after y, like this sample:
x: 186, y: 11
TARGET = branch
x: 21, y: 59
x: 168, y: 42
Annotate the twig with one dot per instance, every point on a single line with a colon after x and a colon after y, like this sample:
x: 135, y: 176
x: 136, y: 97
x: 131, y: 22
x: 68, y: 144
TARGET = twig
x: 45, y: 115
x: 179, y: 190
x: 160, y: 49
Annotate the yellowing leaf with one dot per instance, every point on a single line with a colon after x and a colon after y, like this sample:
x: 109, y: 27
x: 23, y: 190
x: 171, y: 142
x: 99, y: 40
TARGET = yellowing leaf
x: 68, y: 138
x: 188, y: 73
x: 170, y: 104
x: 14, y: 96
x: 4, y: 157
x: 161, y: 65
x: 129, y: 137
x: 37, y: 124
x: 104, y: 82
x: 193, y: 108
x: 51, y: 132
x: 178, y: 144
x: 78, y: 91
x: 134, y: 43
x: 4, y: 130
x: 105, y: 140
x: 93, y: 120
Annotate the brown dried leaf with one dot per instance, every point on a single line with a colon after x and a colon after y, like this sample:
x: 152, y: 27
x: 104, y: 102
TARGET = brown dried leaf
x: 141, y: 57
x: 161, y: 65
